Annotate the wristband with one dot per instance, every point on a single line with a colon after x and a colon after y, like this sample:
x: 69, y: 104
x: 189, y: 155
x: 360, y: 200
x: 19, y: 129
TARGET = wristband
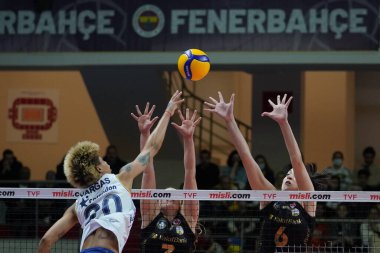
x: 170, y: 114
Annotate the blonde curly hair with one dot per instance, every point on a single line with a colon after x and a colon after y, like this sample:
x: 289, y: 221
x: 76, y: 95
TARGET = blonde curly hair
x: 80, y: 164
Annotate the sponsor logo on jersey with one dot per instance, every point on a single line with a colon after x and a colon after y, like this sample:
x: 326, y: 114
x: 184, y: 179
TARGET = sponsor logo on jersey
x: 179, y: 230
x: 176, y: 222
x: 295, y: 212
x: 161, y: 224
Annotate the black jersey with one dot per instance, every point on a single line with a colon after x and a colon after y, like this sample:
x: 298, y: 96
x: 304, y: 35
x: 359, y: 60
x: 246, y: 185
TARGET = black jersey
x: 285, y: 227
x: 163, y: 236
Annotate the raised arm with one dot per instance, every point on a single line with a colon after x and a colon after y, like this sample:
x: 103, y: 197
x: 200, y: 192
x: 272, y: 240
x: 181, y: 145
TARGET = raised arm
x: 148, y: 208
x: 59, y: 229
x: 280, y: 115
x: 152, y: 146
x: 189, y: 208
x: 225, y: 110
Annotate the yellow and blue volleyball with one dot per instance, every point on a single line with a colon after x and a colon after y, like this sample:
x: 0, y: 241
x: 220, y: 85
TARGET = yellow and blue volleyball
x: 193, y: 64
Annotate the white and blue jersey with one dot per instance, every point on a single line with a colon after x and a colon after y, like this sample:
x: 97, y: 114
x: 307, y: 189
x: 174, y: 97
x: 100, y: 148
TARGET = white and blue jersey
x: 107, y: 204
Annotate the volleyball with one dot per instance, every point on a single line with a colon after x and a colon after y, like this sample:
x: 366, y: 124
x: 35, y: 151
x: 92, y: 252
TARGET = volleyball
x: 193, y: 64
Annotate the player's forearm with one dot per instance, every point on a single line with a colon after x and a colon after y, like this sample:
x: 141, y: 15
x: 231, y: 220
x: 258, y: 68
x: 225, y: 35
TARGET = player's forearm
x: 290, y: 142
x: 255, y: 176
x: 156, y: 138
x: 189, y: 156
x: 238, y: 139
x: 45, y: 245
x: 143, y: 139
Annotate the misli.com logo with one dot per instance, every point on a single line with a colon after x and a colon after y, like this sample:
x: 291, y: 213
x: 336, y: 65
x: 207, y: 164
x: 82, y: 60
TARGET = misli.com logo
x: 7, y: 193
x: 149, y: 194
x: 309, y: 196
x: 66, y: 194
x: 229, y: 195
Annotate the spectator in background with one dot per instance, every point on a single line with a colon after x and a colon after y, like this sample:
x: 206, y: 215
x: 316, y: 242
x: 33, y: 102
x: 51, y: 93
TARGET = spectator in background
x: 265, y: 168
x: 206, y: 244
x: 207, y: 174
x: 338, y: 169
x: 10, y: 167
x: 321, y: 229
x: 225, y: 209
x: 333, y: 185
x: 345, y: 233
x: 279, y: 177
x: 369, y: 154
x: 370, y: 230
x: 235, y: 170
x: 24, y: 176
x: 363, y: 181
x: 113, y: 159
x: 60, y: 175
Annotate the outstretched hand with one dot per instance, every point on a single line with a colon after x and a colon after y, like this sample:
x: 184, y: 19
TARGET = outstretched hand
x: 174, y: 102
x: 187, y: 128
x: 221, y: 108
x: 144, y: 119
x: 280, y: 110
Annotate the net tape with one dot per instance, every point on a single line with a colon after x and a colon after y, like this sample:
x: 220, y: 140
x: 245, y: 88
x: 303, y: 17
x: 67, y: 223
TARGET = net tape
x: 213, y: 195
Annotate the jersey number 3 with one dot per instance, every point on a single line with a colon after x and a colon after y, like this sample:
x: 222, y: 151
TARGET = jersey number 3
x: 169, y: 247
x: 91, y: 210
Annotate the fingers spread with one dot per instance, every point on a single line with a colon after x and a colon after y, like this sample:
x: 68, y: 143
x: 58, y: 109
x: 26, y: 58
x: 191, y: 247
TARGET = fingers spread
x: 197, y: 121
x: 194, y: 114
x: 213, y: 100
x: 154, y: 120
x: 209, y: 104
x: 180, y: 115
x: 232, y: 99
x: 220, y: 97
x: 134, y: 116
x: 288, y: 102
x: 177, y: 127
x: 284, y: 99
x: 146, y: 108
x: 151, y: 110
x: 271, y: 103
x: 138, y: 110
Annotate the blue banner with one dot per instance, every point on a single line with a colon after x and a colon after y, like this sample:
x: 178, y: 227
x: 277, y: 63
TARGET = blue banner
x: 173, y: 25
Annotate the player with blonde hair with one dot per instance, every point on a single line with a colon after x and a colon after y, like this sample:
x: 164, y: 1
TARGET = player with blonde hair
x: 104, y: 209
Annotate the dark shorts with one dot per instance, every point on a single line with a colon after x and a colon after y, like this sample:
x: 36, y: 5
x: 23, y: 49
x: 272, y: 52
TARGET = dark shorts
x: 96, y: 250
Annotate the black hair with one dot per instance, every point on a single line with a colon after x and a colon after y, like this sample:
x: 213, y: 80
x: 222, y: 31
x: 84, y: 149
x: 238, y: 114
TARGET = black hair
x: 337, y: 153
x: 111, y: 147
x: 230, y: 160
x: 7, y: 152
x: 205, y: 151
x: 364, y: 172
x: 369, y: 150
x: 257, y: 157
x: 319, y: 181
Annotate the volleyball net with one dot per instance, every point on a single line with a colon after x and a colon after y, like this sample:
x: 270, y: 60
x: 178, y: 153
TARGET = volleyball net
x: 346, y: 221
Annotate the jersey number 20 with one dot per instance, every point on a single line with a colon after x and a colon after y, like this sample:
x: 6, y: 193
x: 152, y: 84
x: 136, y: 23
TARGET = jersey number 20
x: 91, y: 210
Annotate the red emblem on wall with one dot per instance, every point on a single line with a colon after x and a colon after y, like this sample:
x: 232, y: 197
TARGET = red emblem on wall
x: 32, y: 115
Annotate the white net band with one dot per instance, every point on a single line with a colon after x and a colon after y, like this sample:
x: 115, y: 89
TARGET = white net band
x: 213, y: 195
